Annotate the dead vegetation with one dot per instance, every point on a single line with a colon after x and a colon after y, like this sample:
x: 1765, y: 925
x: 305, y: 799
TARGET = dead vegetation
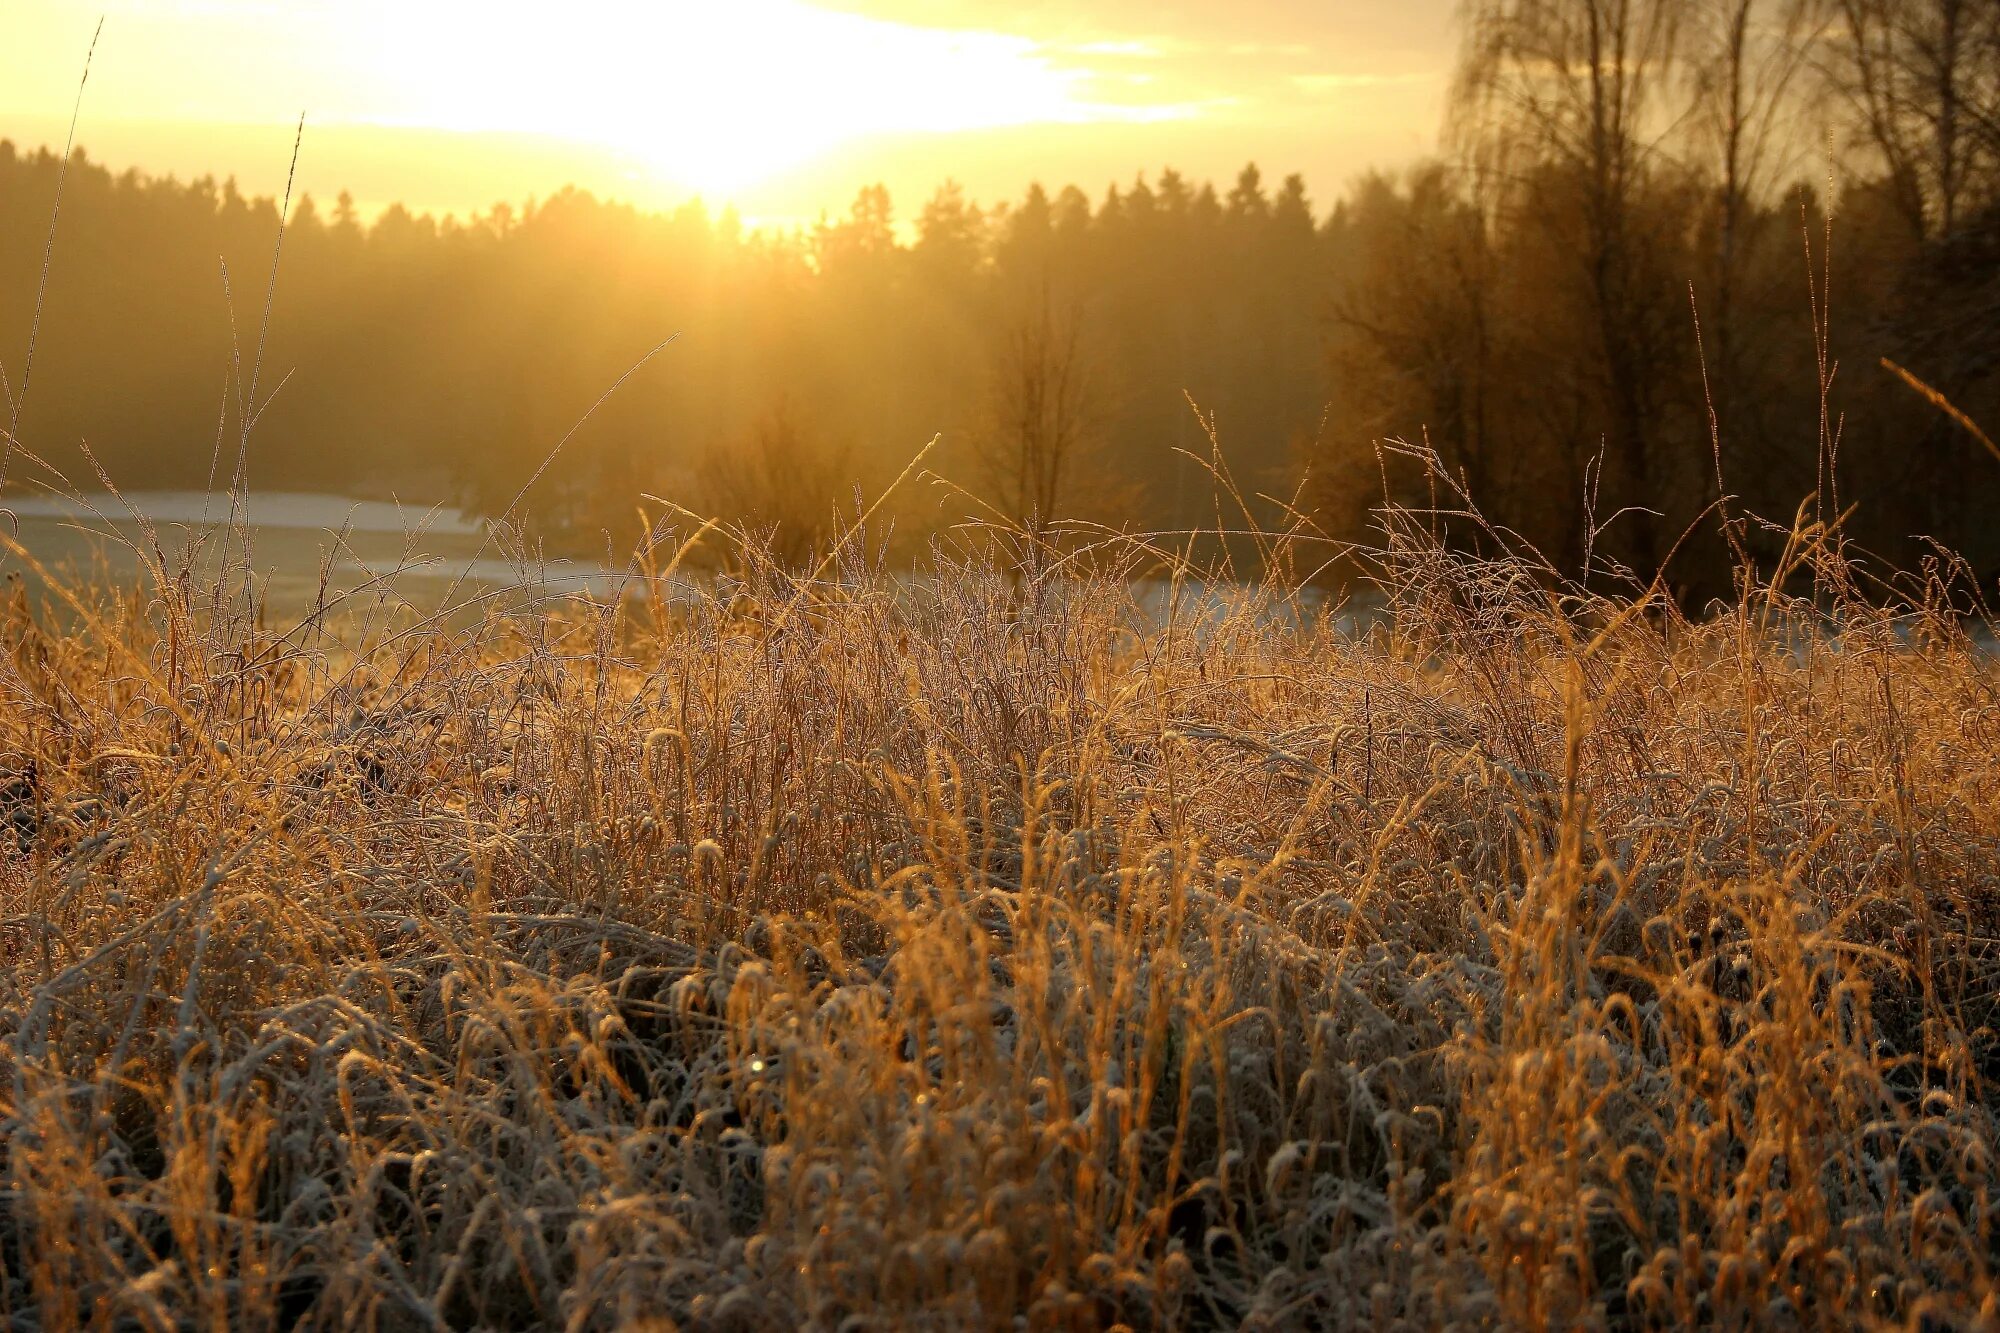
x: 854, y: 953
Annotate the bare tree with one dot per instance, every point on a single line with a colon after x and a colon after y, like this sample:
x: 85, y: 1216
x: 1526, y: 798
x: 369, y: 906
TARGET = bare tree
x: 1031, y: 454
x: 1745, y: 59
x: 781, y: 485
x: 1921, y: 83
x: 1411, y: 338
x: 1923, y: 80
x: 1572, y: 91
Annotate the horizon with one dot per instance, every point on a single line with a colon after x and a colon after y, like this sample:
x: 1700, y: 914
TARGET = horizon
x: 1324, y: 195
x: 404, y: 108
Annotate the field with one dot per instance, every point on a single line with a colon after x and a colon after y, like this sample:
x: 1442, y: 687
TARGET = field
x: 983, y: 953
x: 301, y: 551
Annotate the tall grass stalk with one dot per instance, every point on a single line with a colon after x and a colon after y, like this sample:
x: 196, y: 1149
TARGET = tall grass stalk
x: 838, y: 951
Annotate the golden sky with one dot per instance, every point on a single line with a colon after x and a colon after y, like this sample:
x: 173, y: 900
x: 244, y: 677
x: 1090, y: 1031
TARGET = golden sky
x: 782, y: 107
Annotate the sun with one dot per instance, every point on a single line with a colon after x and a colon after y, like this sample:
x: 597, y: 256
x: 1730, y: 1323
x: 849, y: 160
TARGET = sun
x: 716, y: 97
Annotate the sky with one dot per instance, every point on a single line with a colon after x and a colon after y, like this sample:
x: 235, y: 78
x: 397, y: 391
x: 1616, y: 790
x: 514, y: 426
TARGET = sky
x: 782, y: 108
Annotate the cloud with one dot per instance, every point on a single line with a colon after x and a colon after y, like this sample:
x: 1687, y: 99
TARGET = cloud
x: 1291, y: 71
x: 709, y: 94
x: 1357, y: 27
x: 1338, y: 83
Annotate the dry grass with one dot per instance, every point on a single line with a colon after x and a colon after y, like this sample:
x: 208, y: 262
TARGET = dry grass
x: 986, y: 954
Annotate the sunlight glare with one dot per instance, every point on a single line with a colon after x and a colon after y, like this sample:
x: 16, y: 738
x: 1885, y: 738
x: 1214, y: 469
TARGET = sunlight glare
x: 718, y: 97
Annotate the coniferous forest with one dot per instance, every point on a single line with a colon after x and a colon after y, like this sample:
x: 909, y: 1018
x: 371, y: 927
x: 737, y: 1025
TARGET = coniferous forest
x: 1630, y: 295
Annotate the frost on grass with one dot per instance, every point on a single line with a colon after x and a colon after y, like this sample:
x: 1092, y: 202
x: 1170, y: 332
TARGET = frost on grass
x: 983, y: 952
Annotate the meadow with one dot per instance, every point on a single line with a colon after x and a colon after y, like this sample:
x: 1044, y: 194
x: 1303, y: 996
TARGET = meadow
x: 836, y: 951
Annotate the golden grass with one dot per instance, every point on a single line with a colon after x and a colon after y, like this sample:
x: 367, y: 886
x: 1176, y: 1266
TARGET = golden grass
x: 986, y: 954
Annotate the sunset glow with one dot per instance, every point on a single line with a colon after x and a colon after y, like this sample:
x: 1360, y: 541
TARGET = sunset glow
x: 717, y: 97
x: 779, y: 106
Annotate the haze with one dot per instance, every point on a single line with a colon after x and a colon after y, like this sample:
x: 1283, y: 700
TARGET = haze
x: 778, y: 107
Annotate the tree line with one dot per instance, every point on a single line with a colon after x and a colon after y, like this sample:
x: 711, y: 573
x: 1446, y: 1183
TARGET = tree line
x: 447, y: 356
x: 1645, y: 289
x: 1647, y: 293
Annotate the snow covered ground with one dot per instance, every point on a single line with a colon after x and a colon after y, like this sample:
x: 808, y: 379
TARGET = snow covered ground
x: 418, y: 556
